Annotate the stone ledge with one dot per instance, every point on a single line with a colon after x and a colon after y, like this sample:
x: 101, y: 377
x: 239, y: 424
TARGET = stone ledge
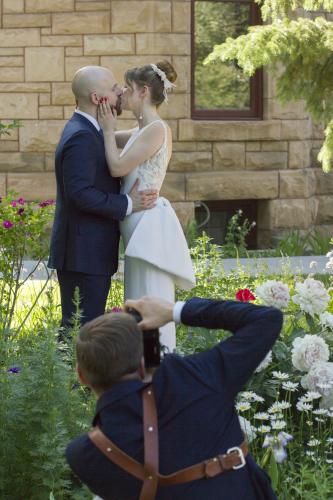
x: 191, y: 130
x: 32, y: 187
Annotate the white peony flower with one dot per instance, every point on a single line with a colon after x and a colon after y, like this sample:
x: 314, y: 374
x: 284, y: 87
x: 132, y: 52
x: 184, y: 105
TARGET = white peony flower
x: 311, y: 296
x: 265, y: 362
x: 319, y: 376
x: 308, y: 350
x: 247, y: 428
x: 326, y: 320
x: 273, y: 293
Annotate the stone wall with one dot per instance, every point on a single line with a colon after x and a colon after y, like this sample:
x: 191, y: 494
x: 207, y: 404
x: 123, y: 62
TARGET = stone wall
x: 43, y: 43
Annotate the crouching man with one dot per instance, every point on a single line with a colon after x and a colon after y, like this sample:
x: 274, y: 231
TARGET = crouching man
x: 191, y: 447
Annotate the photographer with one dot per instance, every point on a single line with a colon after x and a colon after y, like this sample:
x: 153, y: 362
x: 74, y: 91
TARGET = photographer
x: 197, y: 421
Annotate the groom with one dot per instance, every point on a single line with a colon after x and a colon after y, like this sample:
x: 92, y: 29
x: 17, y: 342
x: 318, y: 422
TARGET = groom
x: 85, y: 235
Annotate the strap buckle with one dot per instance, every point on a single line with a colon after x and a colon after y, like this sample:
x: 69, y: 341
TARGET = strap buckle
x: 240, y: 456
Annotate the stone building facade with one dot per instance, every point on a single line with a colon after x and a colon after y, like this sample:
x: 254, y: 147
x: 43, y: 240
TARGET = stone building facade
x: 43, y: 43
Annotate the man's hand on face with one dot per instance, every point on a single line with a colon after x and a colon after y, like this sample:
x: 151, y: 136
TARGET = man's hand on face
x: 143, y: 200
x: 155, y: 312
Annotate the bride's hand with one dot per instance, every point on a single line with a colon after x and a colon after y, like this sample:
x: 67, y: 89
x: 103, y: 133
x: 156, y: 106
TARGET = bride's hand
x: 107, y: 115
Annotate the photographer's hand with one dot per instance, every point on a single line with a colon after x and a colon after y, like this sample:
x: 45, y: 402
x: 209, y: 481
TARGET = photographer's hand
x: 155, y: 312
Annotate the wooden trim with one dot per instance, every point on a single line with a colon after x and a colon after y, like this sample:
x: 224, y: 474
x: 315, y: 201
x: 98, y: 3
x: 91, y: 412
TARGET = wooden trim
x: 256, y: 82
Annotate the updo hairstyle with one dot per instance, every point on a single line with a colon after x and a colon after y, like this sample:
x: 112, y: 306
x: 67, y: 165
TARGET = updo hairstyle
x: 145, y: 75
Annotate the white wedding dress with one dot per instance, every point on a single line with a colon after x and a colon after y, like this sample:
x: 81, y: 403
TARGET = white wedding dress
x: 156, y: 252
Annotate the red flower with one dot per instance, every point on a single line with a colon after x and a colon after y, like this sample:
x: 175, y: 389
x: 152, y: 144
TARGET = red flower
x: 116, y: 310
x: 244, y: 295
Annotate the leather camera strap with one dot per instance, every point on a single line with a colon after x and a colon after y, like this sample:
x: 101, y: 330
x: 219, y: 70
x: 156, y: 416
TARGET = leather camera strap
x: 148, y: 473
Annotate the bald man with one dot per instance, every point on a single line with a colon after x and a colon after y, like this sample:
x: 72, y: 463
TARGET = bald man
x: 85, y: 235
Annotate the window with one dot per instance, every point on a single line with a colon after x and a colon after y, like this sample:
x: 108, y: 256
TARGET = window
x: 221, y: 90
x: 220, y: 212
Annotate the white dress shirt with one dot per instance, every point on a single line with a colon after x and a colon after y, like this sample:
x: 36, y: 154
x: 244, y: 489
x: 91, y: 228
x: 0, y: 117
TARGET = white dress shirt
x: 177, y: 311
x: 93, y: 120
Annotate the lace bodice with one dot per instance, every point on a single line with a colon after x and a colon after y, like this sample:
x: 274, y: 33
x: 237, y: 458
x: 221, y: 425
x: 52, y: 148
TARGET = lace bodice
x: 152, y: 171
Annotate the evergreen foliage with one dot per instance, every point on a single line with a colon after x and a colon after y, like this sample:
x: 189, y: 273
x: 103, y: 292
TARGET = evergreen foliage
x: 303, y: 46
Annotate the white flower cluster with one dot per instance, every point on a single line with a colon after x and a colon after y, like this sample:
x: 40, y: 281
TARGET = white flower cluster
x: 320, y: 379
x: 273, y: 293
x: 326, y: 320
x: 311, y: 296
x: 308, y: 350
x: 329, y: 264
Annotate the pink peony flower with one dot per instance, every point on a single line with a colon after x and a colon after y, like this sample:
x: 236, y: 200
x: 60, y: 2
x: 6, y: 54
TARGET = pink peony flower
x: 245, y: 295
x: 13, y: 204
x: 21, y: 201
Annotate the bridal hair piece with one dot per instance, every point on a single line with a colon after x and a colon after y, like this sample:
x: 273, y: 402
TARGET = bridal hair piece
x: 167, y: 84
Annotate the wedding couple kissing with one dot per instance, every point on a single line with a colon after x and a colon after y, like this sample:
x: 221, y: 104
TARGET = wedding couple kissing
x: 108, y: 183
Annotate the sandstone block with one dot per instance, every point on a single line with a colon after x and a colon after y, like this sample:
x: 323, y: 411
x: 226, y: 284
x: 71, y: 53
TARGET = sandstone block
x: 324, y: 182
x: 299, y: 154
x: 185, y: 212
x: 41, y: 135
x: 318, y: 131
x: 44, y: 99
x: 253, y: 146
x: 229, y: 155
x: 293, y: 110
x: 72, y: 64
x: 204, y: 146
x: 34, y: 186
x: 62, y: 40
x: 8, y: 146
x: 25, y: 87
x: 295, y: 130
x: 19, y: 106
x: 46, y: 31
x: 13, y: 136
x: 266, y: 160
x: 181, y: 17
x: 3, y: 184
x: 26, y: 20
x: 68, y: 112
x: 94, y: 5
x: 49, y: 161
x: 288, y: 214
x: 178, y: 106
x: 174, y: 187
x: 182, y: 65
x: 62, y: 94
x: 11, y: 74
x: 74, y: 51
x: 95, y: 45
x: 12, y: 6
x: 83, y: 23
x: 274, y: 146
x: 232, y: 186
x: 28, y: 37
x: 20, y: 162
x: 184, y: 146
x: 49, y: 5
x: 297, y: 184
x: 119, y: 64
x: 51, y: 113
x: 44, y: 64
x: 191, y: 130
x: 141, y: 16
x: 190, y: 161
x: 8, y: 51
x: 11, y: 61
x: 157, y: 43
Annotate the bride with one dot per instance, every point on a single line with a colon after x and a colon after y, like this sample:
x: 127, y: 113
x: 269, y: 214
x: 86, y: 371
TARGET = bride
x: 156, y: 253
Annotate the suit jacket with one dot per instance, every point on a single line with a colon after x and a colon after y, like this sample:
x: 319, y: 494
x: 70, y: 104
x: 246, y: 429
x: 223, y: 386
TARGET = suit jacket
x: 85, y: 233
x: 196, y: 413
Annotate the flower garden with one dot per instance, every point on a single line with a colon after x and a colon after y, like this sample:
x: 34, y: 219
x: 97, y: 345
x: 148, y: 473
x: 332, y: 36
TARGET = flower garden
x: 286, y: 410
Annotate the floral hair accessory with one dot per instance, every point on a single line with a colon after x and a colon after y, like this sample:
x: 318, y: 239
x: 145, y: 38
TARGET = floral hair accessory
x: 167, y: 84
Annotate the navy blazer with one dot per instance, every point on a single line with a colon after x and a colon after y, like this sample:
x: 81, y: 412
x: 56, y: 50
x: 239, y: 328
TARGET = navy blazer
x: 85, y: 235
x: 196, y: 412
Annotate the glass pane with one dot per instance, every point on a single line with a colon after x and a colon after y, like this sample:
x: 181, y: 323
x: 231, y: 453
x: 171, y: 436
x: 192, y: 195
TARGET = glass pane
x: 220, y: 85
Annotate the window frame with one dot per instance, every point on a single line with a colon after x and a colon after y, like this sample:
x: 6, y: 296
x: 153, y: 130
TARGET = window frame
x: 256, y: 82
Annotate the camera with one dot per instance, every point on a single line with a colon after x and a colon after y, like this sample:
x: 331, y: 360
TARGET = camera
x: 151, y: 342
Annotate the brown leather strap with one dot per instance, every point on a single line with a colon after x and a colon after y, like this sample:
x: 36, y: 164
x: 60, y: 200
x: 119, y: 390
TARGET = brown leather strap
x: 150, y: 432
x: 148, y: 473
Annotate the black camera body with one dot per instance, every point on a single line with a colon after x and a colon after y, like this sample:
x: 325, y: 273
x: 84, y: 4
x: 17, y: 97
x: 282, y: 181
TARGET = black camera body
x: 151, y: 342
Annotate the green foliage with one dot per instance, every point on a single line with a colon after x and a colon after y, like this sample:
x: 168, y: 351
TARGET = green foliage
x: 6, y: 129
x: 304, y: 49
x: 282, y: 8
x: 237, y: 230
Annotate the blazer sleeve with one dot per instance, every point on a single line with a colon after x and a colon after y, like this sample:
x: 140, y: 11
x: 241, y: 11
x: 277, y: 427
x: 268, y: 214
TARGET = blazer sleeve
x: 231, y: 363
x: 79, y: 169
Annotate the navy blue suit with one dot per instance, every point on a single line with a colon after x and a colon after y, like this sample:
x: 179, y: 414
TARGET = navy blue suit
x: 85, y: 235
x: 196, y: 416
